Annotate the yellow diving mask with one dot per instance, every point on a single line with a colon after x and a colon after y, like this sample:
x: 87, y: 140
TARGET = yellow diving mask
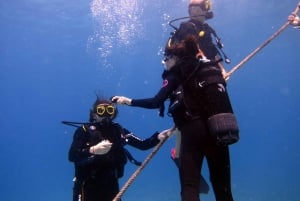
x: 204, y: 5
x: 101, y: 109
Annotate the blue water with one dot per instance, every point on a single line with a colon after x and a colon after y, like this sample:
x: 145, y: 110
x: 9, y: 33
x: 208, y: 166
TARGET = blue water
x: 55, y: 55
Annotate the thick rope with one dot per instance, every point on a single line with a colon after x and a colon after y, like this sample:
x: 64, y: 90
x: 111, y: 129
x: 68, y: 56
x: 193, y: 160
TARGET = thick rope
x: 140, y: 168
x: 247, y: 58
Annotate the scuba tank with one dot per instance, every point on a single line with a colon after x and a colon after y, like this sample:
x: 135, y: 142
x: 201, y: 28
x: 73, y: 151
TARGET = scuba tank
x: 221, y: 120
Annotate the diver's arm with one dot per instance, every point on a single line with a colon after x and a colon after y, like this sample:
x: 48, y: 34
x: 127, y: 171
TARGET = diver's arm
x: 150, y: 142
x: 169, y: 84
x: 82, y: 154
x: 149, y: 103
x: 142, y: 144
x: 222, y: 68
x: 79, y: 150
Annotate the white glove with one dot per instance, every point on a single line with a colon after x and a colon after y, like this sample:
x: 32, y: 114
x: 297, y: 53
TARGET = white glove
x: 121, y: 100
x: 101, y: 148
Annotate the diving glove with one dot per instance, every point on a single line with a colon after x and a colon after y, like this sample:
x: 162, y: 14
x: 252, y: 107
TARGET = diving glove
x: 101, y: 148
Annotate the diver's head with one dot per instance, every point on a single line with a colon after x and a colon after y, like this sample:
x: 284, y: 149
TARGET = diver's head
x: 103, y: 111
x: 200, y: 10
x: 185, y: 49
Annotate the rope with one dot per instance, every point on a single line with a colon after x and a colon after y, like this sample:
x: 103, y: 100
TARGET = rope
x: 138, y: 171
x: 247, y: 58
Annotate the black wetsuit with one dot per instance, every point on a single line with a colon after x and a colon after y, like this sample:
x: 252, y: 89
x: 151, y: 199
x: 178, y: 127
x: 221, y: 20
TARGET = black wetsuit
x: 96, y: 176
x: 196, y: 141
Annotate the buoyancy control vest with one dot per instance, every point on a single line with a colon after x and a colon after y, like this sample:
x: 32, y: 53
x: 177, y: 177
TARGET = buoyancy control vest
x: 116, y: 158
x: 204, y: 95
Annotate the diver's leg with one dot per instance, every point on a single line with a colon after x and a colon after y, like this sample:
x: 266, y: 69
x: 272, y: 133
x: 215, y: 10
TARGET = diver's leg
x: 77, y: 194
x: 219, y: 167
x: 191, y: 159
x: 203, y: 187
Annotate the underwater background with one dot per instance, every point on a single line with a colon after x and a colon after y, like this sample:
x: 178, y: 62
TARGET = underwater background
x: 56, y: 55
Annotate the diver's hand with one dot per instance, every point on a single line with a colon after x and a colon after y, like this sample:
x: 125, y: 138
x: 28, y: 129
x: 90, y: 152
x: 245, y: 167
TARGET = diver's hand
x: 101, y: 148
x: 165, y: 134
x: 291, y: 18
x: 294, y: 19
x: 121, y: 100
x: 226, y: 76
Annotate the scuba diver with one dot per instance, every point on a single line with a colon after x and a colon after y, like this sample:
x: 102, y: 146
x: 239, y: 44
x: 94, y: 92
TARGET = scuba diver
x: 98, y: 153
x: 199, y: 12
x: 202, y: 112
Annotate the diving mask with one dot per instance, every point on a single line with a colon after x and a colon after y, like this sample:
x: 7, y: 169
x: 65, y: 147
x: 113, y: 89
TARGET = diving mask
x: 204, y: 5
x: 103, y: 109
